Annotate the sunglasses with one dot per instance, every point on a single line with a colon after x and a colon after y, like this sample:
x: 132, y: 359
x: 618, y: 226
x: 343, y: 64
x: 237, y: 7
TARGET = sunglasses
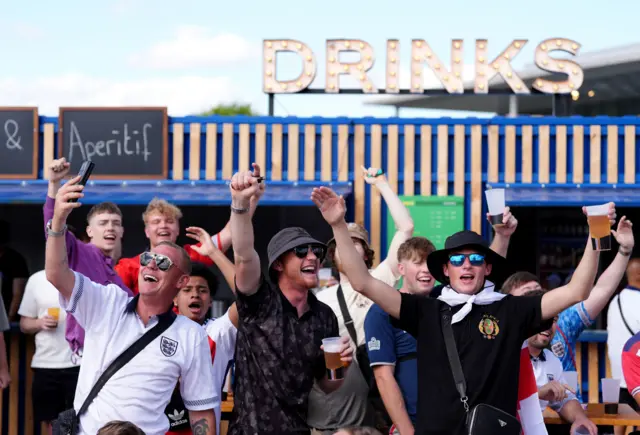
x: 303, y: 251
x: 163, y: 262
x: 457, y: 260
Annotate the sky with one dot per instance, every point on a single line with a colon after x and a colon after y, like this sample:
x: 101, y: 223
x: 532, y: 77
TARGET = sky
x: 194, y: 54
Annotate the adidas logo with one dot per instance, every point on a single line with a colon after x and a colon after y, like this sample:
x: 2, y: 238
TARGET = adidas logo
x: 177, y: 418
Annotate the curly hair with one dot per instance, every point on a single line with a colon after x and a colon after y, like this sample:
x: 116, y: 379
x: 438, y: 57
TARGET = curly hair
x: 369, y: 254
x: 163, y: 208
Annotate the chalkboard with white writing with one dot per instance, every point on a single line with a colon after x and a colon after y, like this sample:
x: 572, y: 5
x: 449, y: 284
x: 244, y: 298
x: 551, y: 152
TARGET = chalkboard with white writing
x: 19, y: 142
x: 123, y: 142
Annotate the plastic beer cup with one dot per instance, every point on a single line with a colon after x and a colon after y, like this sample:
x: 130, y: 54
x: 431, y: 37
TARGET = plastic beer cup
x: 496, y: 205
x: 599, y: 227
x: 332, y: 347
x: 610, y: 395
x: 54, y: 312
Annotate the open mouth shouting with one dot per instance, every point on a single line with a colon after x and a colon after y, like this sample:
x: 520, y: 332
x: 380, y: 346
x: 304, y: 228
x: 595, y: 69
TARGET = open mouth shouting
x: 467, y: 278
x: 195, y: 307
x: 111, y: 237
x: 309, y: 270
x: 149, y: 278
x: 425, y: 279
x: 164, y: 234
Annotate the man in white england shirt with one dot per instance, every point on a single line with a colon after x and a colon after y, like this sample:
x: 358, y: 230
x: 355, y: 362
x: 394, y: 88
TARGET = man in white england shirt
x: 113, y: 321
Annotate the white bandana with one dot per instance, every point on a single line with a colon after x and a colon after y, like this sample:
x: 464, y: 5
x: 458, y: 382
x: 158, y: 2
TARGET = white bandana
x: 487, y: 296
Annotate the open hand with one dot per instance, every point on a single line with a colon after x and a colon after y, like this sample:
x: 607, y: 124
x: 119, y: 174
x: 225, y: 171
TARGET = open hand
x: 58, y: 169
x: 70, y: 190
x: 373, y: 175
x: 332, y: 206
x: 624, y: 233
x: 509, y: 223
x: 244, y: 185
x: 206, y: 247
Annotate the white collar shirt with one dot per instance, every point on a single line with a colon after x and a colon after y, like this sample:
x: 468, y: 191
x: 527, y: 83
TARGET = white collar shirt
x: 546, y: 368
x: 140, y: 391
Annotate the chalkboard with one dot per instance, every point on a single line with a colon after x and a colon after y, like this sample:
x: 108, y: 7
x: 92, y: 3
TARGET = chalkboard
x: 19, y: 130
x: 434, y: 217
x: 123, y: 142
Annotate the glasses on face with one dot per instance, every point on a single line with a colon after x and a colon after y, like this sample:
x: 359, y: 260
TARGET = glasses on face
x: 457, y: 260
x: 303, y: 251
x: 163, y: 262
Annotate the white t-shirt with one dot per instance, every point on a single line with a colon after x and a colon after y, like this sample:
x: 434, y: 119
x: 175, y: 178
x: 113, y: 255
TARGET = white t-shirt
x: 223, y: 334
x: 52, y: 349
x: 546, y: 368
x: 617, y: 332
x: 140, y: 391
x: 357, y: 304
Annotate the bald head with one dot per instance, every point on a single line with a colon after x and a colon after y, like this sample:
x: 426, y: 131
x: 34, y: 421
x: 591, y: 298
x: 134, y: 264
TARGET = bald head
x: 633, y: 272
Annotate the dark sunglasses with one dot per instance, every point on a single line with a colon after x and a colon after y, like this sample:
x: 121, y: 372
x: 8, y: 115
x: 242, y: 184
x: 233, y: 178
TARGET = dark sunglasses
x: 457, y: 260
x: 163, y: 262
x: 303, y: 250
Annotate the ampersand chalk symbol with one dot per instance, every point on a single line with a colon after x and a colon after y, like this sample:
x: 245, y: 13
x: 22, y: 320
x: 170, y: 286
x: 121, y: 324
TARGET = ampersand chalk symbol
x: 11, y: 130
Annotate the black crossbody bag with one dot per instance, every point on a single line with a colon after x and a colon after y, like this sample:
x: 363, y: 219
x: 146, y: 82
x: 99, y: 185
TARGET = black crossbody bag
x: 482, y: 419
x: 68, y: 421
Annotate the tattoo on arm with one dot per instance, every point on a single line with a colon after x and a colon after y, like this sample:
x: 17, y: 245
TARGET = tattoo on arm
x: 200, y: 427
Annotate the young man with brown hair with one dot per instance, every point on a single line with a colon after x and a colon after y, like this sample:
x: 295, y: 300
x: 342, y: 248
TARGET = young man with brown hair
x: 93, y: 259
x: 392, y: 352
x: 162, y: 223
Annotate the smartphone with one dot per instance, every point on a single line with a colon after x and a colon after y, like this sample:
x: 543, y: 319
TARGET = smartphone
x: 85, y: 172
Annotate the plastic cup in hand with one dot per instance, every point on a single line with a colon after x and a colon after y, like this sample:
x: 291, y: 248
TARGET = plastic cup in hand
x: 599, y: 227
x: 610, y: 395
x: 332, y: 347
x: 572, y: 380
x: 496, y: 205
x: 54, y: 312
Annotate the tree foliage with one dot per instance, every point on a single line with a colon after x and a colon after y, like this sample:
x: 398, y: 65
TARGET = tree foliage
x: 232, y: 109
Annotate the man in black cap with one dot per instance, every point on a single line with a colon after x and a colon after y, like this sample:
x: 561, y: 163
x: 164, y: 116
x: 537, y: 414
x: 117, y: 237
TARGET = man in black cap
x: 278, y: 348
x: 489, y: 328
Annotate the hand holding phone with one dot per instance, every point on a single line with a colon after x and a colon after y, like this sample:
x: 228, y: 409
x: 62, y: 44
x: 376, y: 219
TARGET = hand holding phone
x: 85, y: 172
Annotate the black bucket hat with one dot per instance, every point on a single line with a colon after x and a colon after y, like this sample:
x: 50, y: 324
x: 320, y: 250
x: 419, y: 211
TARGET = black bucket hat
x: 287, y: 239
x: 500, y: 270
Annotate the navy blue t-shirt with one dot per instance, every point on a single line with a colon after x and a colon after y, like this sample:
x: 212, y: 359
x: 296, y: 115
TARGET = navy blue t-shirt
x: 387, y: 345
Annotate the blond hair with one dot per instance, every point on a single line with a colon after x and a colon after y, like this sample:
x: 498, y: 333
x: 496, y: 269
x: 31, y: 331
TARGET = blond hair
x: 162, y: 207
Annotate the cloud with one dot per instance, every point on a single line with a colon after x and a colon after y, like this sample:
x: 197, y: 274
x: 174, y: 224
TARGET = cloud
x: 183, y: 95
x: 25, y: 31
x: 195, y: 47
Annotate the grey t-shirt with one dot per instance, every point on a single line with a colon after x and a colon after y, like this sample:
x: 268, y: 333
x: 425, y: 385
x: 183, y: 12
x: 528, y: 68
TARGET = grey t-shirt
x: 345, y: 407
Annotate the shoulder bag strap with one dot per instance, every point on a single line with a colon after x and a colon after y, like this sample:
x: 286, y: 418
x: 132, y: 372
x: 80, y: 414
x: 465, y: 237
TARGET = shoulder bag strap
x: 164, y: 323
x: 452, y: 354
x: 622, y: 316
x: 348, y: 321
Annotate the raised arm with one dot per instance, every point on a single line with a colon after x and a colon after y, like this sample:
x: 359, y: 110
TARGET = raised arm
x: 56, y: 264
x: 611, y: 277
x: 208, y: 249
x: 399, y: 213
x: 503, y: 233
x: 223, y: 238
x: 333, y: 209
x: 581, y: 283
x: 243, y: 186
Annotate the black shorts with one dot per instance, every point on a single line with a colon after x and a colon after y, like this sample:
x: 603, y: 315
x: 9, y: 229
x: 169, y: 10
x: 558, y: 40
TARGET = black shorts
x: 626, y: 397
x: 53, y: 392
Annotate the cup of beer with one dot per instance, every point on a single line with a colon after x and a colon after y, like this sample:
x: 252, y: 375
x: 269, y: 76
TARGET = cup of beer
x: 54, y: 312
x: 599, y: 227
x: 496, y: 205
x: 610, y: 395
x: 335, y: 368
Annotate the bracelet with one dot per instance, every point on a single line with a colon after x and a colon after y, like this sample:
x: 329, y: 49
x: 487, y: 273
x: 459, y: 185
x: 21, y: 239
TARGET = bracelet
x: 53, y: 233
x: 239, y: 210
x: 624, y: 253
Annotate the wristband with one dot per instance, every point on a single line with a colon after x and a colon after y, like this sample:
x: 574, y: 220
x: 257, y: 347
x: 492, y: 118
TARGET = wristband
x: 52, y: 233
x: 239, y: 210
x: 624, y: 253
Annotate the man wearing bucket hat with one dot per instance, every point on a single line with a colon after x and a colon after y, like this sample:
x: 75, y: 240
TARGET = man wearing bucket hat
x: 488, y: 327
x: 282, y: 324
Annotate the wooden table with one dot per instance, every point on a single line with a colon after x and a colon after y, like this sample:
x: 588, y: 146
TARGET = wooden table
x: 595, y: 411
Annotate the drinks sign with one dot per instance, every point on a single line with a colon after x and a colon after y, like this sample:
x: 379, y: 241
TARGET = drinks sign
x: 421, y: 53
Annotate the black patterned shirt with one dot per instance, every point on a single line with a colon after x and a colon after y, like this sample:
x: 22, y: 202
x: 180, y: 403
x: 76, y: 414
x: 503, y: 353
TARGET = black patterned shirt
x: 277, y: 358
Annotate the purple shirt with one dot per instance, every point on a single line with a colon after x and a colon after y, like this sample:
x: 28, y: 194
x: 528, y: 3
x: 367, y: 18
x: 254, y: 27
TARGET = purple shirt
x: 88, y: 260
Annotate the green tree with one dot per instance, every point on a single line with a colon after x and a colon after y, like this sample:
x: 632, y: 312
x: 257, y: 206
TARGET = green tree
x: 231, y: 110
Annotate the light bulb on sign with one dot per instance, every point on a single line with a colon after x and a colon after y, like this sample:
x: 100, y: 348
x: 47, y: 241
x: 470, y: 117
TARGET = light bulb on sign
x: 393, y: 67
x: 269, y: 66
x: 500, y: 65
x: 450, y: 79
x: 355, y: 69
x: 544, y: 61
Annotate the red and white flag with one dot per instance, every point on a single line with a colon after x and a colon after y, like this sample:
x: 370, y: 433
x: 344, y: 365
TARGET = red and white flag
x: 529, y: 411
